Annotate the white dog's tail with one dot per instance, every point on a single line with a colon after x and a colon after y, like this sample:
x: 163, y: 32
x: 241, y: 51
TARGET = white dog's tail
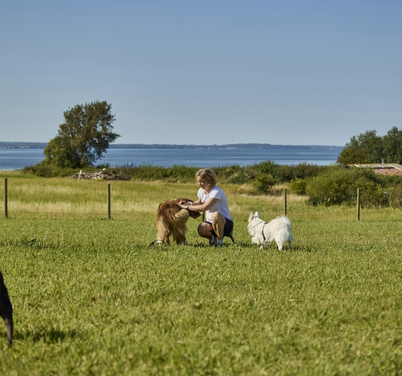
x: 283, y: 234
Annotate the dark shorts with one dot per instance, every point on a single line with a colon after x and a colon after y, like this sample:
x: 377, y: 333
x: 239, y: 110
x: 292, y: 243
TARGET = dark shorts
x: 227, y: 230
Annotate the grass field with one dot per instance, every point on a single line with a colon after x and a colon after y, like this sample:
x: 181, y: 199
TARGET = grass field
x: 91, y: 297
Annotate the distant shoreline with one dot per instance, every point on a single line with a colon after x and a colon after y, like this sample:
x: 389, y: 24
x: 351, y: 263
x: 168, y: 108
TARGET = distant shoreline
x: 42, y: 145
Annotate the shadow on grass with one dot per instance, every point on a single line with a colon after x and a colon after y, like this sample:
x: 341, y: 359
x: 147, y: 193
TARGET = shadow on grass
x: 46, y: 335
x: 245, y: 246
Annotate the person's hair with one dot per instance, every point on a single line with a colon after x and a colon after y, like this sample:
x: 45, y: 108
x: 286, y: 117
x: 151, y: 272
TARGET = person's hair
x: 207, y: 174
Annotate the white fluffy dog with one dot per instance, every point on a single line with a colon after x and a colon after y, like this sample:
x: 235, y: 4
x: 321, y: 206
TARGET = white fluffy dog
x: 262, y: 232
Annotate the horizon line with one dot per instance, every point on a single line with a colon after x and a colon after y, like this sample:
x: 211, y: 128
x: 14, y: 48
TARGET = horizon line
x: 181, y: 145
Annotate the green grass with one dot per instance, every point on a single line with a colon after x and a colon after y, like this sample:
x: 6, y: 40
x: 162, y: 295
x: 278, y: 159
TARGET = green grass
x: 91, y: 297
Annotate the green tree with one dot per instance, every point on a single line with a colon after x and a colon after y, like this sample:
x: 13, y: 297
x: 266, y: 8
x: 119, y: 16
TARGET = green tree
x: 352, y: 154
x: 392, y: 142
x: 84, y: 136
x: 365, y: 148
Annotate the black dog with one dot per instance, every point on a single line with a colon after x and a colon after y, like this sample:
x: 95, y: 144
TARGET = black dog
x: 6, y: 310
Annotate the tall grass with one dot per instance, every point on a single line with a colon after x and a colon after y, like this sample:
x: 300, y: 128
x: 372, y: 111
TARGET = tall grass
x: 62, y: 197
x: 91, y: 297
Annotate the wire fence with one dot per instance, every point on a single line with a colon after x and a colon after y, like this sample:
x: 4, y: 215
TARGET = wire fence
x: 109, y: 214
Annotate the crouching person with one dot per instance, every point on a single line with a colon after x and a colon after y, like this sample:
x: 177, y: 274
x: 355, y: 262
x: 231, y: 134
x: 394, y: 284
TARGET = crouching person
x: 212, y: 200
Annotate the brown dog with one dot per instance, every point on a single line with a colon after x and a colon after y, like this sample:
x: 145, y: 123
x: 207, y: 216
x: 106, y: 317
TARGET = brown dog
x: 172, y: 220
x: 6, y: 310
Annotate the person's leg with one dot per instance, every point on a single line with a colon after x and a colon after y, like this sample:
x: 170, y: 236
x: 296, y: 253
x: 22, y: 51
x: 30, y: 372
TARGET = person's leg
x: 229, y: 230
x: 218, y: 225
x: 216, y: 230
x: 205, y: 230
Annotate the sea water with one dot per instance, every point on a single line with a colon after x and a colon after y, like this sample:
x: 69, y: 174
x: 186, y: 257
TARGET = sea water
x: 14, y: 159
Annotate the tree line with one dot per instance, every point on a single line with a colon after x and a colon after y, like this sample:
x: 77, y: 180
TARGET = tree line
x: 369, y: 147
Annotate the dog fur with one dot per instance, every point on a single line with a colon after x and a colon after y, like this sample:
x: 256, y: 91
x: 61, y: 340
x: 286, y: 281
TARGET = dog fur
x: 172, y: 220
x: 277, y: 230
x: 6, y: 310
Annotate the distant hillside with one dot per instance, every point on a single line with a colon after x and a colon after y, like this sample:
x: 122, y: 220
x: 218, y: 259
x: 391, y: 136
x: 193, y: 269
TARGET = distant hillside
x: 22, y: 145
x: 42, y: 145
x: 227, y: 146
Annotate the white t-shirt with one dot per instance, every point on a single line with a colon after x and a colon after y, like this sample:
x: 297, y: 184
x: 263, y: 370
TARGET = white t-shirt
x: 221, y: 206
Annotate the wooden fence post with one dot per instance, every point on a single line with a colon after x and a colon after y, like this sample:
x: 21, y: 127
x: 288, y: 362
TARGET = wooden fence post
x: 5, y: 198
x: 358, y: 204
x: 286, y: 201
x: 108, y: 201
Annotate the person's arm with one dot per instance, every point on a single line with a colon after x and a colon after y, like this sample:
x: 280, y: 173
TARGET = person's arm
x: 184, y: 202
x: 196, y: 202
x: 200, y: 207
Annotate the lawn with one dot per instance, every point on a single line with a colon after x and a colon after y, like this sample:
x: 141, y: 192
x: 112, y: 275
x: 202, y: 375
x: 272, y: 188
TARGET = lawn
x: 92, y: 297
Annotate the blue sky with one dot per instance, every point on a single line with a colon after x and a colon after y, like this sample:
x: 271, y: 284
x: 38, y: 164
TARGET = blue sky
x: 204, y: 72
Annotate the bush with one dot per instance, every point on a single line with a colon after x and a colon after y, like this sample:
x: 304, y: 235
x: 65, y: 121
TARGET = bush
x: 176, y: 173
x: 227, y: 173
x: 373, y: 195
x: 298, y: 186
x: 48, y: 170
x: 338, y: 185
x: 264, y: 183
x: 267, y: 168
x: 394, y: 194
x: 302, y: 171
x: 238, y: 178
x: 234, y: 174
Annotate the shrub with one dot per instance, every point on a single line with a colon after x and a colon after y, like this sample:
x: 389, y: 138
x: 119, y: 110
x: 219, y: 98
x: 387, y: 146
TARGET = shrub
x: 338, y: 185
x: 298, y: 186
x: 301, y: 171
x: 234, y: 174
x: 175, y: 173
x: 48, y: 170
x: 372, y: 195
x: 267, y: 168
x: 263, y: 183
x: 238, y: 178
x: 394, y: 194
x: 227, y: 173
